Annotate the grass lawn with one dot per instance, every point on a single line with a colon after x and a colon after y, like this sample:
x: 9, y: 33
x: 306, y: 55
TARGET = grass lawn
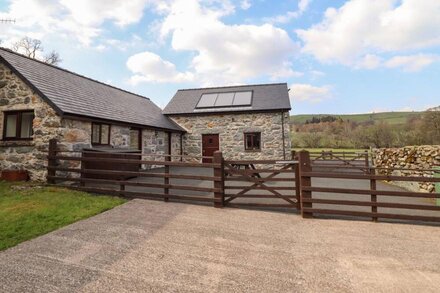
x: 393, y: 118
x: 27, y: 211
x: 329, y: 149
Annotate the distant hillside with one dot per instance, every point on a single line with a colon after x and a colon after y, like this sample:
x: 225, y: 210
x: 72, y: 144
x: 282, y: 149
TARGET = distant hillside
x: 390, y: 117
x: 434, y: 109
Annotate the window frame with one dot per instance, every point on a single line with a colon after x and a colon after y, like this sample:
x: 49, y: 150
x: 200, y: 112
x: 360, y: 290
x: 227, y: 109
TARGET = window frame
x: 252, y: 134
x: 100, y: 134
x: 18, y: 123
x: 139, y: 134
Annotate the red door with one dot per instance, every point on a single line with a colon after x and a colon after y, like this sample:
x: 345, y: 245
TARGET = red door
x: 210, y: 144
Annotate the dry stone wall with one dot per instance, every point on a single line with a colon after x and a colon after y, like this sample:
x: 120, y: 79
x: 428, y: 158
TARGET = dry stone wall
x: 410, y: 157
x: 231, y: 129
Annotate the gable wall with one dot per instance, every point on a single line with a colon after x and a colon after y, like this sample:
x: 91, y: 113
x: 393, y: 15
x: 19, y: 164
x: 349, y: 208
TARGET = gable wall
x: 231, y: 128
x: 71, y: 134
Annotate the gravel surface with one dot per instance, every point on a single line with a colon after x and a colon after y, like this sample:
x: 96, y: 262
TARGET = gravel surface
x: 152, y: 246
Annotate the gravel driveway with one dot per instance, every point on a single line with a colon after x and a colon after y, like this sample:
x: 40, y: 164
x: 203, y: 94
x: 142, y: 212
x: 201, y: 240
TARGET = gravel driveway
x: 149, y: 246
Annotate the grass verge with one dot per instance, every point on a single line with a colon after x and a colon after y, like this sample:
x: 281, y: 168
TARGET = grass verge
x: 329, y: 149
x: 28, y: 210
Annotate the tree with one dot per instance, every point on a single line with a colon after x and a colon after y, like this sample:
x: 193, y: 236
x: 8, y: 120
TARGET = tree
x: 380, y: 135
x: 431, y: 126
x: 32, y: 48
x: 52, y: 58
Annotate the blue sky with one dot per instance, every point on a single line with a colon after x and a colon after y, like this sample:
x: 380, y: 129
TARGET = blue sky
x: 351, y: 56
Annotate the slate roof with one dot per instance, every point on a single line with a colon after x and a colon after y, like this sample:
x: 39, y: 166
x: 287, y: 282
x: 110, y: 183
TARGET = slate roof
x: 265, y: 97
x: 72, y: 94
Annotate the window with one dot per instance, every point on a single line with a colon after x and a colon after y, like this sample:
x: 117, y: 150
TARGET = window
x: 135, y: 139
x: 252, y: 141
x: 228, y: 99
x: 100, y: 134
x: 18, y: 125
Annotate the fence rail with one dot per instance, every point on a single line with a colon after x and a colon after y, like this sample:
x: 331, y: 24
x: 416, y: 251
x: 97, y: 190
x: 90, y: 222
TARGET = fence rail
x: 327, y: 200
x: 128, y: 183
x: 294, y: 184
x: 271, y: 179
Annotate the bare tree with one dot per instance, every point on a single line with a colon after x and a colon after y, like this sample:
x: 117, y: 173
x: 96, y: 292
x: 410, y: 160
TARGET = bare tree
x: 31, y: 47
x: 52, y: 58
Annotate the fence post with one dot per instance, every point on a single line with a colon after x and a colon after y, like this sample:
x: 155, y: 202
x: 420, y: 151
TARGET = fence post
x: 51, y: 162
x: 219, y: 172
x: 367, y: 162
x: 373, y: 196
x: 297, y: 182
x: 167, y: 179
x: 305, y: 181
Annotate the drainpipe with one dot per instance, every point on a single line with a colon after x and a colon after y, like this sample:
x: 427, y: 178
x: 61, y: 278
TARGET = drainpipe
x: 282, y: 129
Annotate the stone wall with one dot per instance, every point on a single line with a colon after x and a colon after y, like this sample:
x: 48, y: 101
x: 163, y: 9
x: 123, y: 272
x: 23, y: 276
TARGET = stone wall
x: 231, y: 129
x: 410, y: 157
x: 155, y: 143
x: 28, y: 155
x: 71, y: 134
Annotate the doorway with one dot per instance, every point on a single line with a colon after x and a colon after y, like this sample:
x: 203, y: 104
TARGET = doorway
x: 210, y: 144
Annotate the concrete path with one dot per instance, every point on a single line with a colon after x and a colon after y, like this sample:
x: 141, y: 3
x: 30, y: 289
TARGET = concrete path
x: 151, y: 246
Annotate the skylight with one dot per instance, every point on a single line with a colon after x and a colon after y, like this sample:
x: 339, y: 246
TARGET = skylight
x: 230, y: 99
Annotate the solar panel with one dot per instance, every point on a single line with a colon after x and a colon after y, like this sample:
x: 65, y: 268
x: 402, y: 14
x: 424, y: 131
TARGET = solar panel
x: 242, y: 98
x: 224, y: 99
x: 230, y: 99
x: 207, y: 100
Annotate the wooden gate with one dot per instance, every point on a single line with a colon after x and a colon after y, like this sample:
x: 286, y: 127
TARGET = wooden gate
x: 261, y: 183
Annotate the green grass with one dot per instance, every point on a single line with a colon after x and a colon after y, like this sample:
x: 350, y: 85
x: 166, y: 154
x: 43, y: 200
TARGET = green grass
x: 329, y: 149
x: 27, y: 211
x: 392, y: 118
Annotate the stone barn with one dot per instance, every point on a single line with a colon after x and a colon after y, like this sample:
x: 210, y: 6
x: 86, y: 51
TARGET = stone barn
x: 39, y: 102
x: 244, y: 122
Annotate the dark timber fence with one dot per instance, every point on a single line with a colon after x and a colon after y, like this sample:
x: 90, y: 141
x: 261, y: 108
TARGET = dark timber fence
x: 70, y: 168
x: 346, y: 201
x: 307, y: 182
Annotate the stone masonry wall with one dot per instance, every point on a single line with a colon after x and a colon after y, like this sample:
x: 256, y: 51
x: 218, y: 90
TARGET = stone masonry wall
x: 71, y: 134
x: 28, y: 155
x: 156, y: 143
x: 410, y: 157
x: 231, y: 129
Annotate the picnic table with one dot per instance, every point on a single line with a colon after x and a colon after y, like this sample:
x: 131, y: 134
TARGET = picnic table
x: 246, y: 167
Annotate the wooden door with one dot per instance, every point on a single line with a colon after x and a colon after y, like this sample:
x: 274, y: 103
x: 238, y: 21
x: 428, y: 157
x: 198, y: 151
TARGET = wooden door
x: 210, y: 144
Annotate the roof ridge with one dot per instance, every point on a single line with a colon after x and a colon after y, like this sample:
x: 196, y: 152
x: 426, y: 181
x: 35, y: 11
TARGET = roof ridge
x: 71, y: 72
x: 232, y: 86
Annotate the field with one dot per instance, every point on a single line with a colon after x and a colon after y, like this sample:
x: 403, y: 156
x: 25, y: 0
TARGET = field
x: 393, y: 118
x: 28, y: 211
x: 314, y: 150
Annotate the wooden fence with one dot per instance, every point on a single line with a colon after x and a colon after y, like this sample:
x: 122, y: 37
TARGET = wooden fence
x: 301, y: 183
x: 271, y: 179
x: 314, y: 197
x: 353, y: 160
x: 60, y: 170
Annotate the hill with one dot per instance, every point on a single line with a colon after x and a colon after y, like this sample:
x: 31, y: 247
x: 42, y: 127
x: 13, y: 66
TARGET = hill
x: 393, y: 118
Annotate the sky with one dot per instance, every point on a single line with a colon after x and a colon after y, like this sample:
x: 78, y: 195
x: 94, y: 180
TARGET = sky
x: 336, y: 56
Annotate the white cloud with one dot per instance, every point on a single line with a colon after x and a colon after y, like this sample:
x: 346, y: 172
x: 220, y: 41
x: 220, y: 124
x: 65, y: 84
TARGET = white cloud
x: 226, y: 53
x: 290, y: 15
x: 369, y: 61
x: 245, y: 4
x: 363, y: 27
x: 79, y: 19
x: 310, y: 93
x: 412, y: 63
x: 150, y: 67
x: 122, y: 12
